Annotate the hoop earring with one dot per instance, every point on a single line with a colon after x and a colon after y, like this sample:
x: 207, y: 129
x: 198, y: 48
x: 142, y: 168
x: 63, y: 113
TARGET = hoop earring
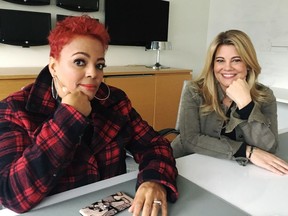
x: 108, y: 94
x: 53, y: 90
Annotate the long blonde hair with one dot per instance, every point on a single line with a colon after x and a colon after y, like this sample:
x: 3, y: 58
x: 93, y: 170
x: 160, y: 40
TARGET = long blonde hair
x: 207, y: 83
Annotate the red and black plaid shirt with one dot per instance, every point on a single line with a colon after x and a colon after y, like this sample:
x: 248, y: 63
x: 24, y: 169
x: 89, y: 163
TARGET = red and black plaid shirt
x: 47, y: 147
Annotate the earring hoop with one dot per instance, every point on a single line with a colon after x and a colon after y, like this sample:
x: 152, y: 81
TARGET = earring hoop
x: 108, y: 94
x: 53, y: 90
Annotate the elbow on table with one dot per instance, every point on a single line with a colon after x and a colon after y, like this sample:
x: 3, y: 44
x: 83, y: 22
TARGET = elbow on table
x: 18, y: 206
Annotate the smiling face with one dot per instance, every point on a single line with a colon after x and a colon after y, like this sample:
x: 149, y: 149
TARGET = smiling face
x: 228, y: 66
x: 79, y: 67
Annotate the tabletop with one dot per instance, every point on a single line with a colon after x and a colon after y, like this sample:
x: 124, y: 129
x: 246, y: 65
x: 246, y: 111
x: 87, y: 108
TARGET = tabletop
x: 256, y: 191
x: 193, y: 200
x: 207, y: 186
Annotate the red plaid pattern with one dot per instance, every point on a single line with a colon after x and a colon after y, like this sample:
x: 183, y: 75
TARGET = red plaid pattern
x: 47, y: 147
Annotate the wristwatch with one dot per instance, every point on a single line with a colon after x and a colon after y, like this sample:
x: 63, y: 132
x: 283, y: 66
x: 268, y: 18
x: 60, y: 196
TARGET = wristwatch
x: 243, y: 161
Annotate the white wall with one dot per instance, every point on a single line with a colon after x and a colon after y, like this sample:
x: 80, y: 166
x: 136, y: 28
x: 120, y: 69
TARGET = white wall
x: 282, y: 110
x: 188, y: 24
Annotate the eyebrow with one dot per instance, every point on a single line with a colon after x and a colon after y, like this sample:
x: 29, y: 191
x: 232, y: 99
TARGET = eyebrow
x: 83, y: 53
x: 223, y: 57
x: 102, y: 58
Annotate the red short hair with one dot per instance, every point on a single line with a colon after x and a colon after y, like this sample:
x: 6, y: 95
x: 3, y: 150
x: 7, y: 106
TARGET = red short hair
x: 72, y: 26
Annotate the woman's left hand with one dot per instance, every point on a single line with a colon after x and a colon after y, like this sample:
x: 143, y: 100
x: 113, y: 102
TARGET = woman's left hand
x: 150, y: 198
x: 268, y: 161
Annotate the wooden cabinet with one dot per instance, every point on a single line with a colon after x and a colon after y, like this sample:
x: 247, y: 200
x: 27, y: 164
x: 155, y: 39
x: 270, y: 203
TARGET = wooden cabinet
x: 168, y: 92
x: 140, y: 90
x: 155, y: 94
x: 10, y: 84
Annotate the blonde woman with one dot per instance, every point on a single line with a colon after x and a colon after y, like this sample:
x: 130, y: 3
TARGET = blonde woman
x: 225, y: 112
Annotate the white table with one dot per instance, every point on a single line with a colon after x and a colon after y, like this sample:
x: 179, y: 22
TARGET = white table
x: 252, y: 189
x: 226, y: 189
x: 193, y: 200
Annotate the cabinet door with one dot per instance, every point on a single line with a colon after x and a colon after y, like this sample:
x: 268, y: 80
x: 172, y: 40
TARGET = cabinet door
x: 9, y: 86
x: 168, y: 92
x: 140, y: 90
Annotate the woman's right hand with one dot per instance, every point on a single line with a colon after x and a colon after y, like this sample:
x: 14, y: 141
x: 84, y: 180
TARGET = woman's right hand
x: 79, y: 101
x: 267, y: 161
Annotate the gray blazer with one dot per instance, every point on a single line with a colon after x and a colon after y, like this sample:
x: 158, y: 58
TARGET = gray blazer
x: 202, y: 134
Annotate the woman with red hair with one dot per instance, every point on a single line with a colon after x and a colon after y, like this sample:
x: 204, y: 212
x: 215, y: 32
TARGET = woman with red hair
x: 69, y: 129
